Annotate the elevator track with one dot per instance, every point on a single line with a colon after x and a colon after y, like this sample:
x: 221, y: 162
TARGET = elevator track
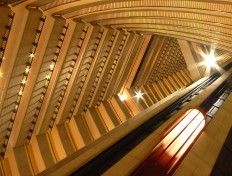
x: 110, y: 156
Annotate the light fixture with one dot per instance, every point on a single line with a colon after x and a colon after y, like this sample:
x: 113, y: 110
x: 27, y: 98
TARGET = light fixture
x: 27, y: 70
x: 48, y: 77
x: 52, y: 66
x: 20, y: 93
x: 210, y: 60
x: 32, y: 55
x: 24, y: 81
x: 122, y: 97
x: 139, y: 94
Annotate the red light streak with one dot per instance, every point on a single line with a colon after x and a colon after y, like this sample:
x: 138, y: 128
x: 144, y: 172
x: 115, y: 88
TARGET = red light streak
x: 173, y: 146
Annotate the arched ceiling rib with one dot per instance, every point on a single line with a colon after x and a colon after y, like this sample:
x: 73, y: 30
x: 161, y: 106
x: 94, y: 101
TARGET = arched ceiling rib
x: 204, y: 21
x: 73, y: 9
x: 63, y: 5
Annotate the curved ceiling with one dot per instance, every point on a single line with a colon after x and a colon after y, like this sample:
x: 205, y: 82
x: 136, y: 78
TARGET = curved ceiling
x: 198, y: 21
x: 62, y: 78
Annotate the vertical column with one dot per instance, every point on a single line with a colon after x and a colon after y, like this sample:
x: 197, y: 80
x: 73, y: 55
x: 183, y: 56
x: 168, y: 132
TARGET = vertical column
x: 173, y: 83
x: 57, y: 143
x: 13, y: 43
x: 150, y: 93
x: 5, y: 168
x: 80, y: 131
x: 17, y: 78
x: 31, y: 80
x: 66, y: 139
x: 75, y: 131
x: 120, y: 108
x: 23, y: 161
x: 107, y: 107
x: 98, y: 43
x: 95, y: 123
x: 189, y: 59
x: 177, y: 80
x: 71, y: 87
x: 137, y: 60
x: 119, y: 75
x: 55, y: 76
x: 35, y: 151
x: 159, y: 94
x: 13, y: 163
x: 48, y: 154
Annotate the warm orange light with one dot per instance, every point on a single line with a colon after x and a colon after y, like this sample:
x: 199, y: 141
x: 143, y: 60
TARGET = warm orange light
x: 122, y: 97
x: 187, y: 144
x: 48, y: 77
x: 175, y: 144
x: 171, y: 136
x: 172, y: 149
x: 51, y: 66
x: 32, y: 55
x: 169, y: 152
x: 20, y: 93
x: 27, y: 69
x: 23, y: 81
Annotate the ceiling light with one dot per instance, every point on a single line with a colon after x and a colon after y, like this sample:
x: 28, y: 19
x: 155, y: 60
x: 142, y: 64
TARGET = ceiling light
x: 51, y: 66
x: 32, y: 55
x: 139, y: 94
x: 48, y: 77
x: 24, y: 81
x: 27, y: 70
x: 122, y: 97
x: 210, y: 60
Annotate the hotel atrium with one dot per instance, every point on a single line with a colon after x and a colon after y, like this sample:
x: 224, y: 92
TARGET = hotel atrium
x: 115, y: 88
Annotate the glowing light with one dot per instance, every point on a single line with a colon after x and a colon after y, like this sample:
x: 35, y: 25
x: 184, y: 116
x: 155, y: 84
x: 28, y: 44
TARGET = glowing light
x: 20, y: 93
x: 3, y: 58
x: 171, y: 136
x: 174, y: 145
x: 24, y: 81
x: 210, y: 60
x: 48, y: 77
x: 122, y: 97
x: 191, y: 127
x: 176, y: 142
x: 32, y: 55
x: 51, y: 66
x: 1, y: 74
x: 188, y: 143
x: 139, y: 95
x: 27, y: 70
